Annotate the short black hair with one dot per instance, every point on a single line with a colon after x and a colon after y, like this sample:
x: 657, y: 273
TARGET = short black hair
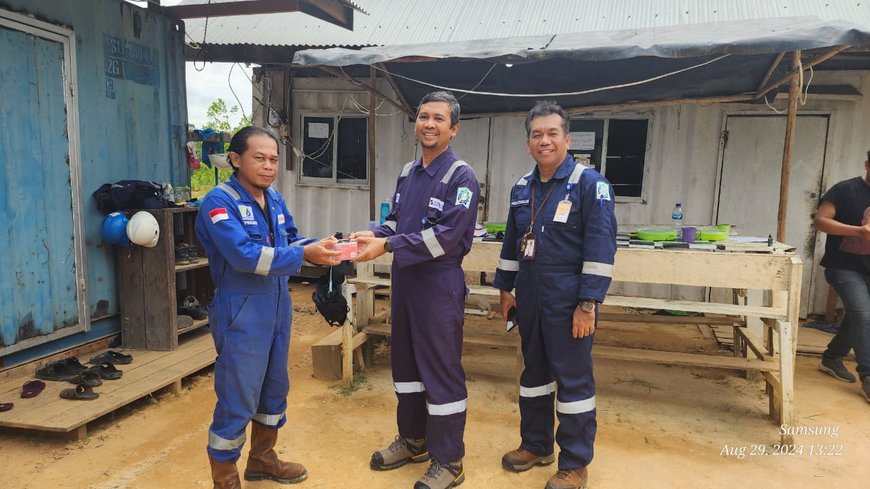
x: 443, y: 96
x: 239, y: 142
x: 544, y: 108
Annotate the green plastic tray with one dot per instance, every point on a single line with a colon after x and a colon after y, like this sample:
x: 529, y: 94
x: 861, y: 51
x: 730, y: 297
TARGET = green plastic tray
x: 713, y: 234
x: 656, y: 234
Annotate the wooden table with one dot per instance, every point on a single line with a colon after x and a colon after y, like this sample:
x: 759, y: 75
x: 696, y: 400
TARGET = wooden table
x: 774, y: 270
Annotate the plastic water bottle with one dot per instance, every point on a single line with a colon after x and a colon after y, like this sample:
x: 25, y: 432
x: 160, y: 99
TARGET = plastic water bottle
x: 677, y: 217
x: 385, y: 210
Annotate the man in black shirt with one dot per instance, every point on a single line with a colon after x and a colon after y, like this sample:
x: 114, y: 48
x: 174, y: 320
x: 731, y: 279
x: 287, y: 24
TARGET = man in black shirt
x: 844, y: 214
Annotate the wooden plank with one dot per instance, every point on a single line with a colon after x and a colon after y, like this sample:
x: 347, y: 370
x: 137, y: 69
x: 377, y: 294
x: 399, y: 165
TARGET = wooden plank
x: 158, y: 277
x: 203, y: 262
x: 692, y: 306
x: 506, y: 341
x: 785, y: 172
x: 132, y: 296
x: 675, y: 358
x: 347, y: 338
x: 149, y: 372
x: 605, y: 316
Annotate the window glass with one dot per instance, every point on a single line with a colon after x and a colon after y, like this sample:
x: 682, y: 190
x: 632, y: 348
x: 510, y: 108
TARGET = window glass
x: 317, y: 146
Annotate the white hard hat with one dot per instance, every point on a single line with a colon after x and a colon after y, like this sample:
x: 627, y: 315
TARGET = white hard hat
x: 143, y: 229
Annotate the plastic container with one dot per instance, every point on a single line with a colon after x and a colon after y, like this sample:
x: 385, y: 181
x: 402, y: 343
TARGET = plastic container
x: 385, y: 210
x: 677, y: 217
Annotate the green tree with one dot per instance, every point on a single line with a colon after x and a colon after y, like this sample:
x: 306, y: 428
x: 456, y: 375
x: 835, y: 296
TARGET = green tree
x: 218, y: 115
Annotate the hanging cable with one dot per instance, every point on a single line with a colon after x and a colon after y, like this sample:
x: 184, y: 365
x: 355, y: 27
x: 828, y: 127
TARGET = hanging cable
x: 202, y: 47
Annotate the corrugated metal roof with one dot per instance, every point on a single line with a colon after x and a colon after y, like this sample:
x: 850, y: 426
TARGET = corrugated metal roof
x: 392, y: 22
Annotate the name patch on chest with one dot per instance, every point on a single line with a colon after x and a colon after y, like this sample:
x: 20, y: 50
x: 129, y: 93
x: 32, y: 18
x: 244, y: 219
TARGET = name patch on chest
x: 436, y: 203
x: 281, y: 218
x: 517, y: 203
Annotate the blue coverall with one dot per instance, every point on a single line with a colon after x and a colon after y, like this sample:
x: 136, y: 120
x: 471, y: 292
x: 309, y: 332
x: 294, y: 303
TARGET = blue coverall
x: 431, y: 227
x: 250, y: 315
x: 573, y: 262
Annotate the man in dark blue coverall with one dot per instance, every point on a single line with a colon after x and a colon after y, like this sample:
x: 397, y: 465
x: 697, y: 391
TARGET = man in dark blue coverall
x: 558, y: 251
x: 429, y: 231
x: 252, y: 247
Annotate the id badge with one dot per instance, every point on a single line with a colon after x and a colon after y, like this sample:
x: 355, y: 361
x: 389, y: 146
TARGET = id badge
x: 527, y: 246
x: 562, y: 211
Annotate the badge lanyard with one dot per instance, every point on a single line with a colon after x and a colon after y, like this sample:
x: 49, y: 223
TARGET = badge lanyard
x: 527, y: 242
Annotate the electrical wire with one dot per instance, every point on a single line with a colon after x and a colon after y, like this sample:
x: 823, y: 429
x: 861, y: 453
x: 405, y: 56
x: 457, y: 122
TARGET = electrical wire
x: 203, y: 48
x: 556, y: 94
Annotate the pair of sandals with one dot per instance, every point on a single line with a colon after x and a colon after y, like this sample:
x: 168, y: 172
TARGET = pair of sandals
x: 31, y: 388
x: 87, y: 379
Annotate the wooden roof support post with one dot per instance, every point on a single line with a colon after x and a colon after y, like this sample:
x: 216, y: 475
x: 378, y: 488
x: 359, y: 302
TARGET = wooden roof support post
x: 793, y: 95
x: 374, y: 210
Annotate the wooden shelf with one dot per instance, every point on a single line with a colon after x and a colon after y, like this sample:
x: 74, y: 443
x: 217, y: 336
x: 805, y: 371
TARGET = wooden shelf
x: 197, y: 323
x: 203, y: 262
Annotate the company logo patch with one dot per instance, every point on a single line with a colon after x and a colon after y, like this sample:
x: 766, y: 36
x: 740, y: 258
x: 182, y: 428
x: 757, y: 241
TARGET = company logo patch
x: 463, y: 197
x: 218, y: 215
x: 602, y: 191
x: 436, y: 203
x: 281, y: 218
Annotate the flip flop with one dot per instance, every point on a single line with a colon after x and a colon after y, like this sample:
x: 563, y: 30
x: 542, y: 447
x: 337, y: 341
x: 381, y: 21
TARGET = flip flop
x: 88, y: 377
x: 80, y: 392
x: 106, y: 371
x: 113, y: 357
x: 5, y: 406
x: 32, y: 388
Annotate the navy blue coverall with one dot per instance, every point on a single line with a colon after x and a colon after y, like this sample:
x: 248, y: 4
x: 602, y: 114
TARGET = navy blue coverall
x: 573, y: 262
x: 431, y: 227
x: 251, y: 312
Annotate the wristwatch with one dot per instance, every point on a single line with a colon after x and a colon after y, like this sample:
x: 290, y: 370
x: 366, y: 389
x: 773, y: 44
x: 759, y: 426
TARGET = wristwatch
x: 587, y: 306
x: 387, y: 246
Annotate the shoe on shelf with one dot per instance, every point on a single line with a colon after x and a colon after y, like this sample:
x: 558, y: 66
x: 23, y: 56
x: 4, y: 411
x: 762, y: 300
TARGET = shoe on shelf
x: 190, y: 306
x: 836, y: 369
x: 399, y: 453
x: 441, y: 476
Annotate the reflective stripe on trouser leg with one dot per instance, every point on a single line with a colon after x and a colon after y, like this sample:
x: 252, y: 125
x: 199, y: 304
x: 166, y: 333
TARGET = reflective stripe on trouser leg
x: 435, y: 299
x: 244, y: 364
x: 276, y: 384
x: 410, y: 391
x: 537, y: 387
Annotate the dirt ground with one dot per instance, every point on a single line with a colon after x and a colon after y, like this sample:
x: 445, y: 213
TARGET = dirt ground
x: 658, y: 427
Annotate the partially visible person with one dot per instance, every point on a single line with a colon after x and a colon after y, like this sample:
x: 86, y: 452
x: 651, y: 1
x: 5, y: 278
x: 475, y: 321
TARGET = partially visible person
x: 429, y: 230
x: 252, y: 246
x: 844, y: 214
x: 558, y: 252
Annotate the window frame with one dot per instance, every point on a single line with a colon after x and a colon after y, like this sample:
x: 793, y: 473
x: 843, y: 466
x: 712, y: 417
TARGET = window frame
x: 606, y: 118
x: 333, y: 181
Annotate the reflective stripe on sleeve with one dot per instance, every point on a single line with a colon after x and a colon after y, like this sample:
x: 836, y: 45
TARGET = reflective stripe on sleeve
x: 226, y: 188
x: 268, y: 419
x: 576, y: 407
x: 391, y: 225
x: 264, y: 264
x: 447, y: 409
x: 596, y: 268
x: 432, y: 243
x: 456, y: 164
x: 541, y: 390
x: 219, y: 443
x: 508, y: 265
x: 406, y: 169
x: 408, y: 387
x: 575, y: 175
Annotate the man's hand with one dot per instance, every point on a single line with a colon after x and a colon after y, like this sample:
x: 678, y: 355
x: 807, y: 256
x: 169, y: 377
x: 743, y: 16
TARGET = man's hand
x: 584, y: 322
x: 364, y: 234
x: 369, y: 247
x: 322, y: 252
x: 864, y: 232
x: 507, y: 302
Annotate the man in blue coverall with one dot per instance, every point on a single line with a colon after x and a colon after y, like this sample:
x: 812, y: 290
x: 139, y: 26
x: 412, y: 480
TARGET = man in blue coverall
x: 429, y: 230
x: 558, y: 251
x: 252, y: 246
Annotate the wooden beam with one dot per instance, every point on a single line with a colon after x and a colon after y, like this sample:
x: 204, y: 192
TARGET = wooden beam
x: 395, y: 87
x: 769, y: 73
x: 227, y: 9
x: 342, y: 74
x: 373, y: 99
x: 809, y: 64
x: 785, y: 174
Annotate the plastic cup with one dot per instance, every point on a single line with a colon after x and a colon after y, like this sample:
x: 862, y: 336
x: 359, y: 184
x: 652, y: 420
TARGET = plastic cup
x: 690, y: 233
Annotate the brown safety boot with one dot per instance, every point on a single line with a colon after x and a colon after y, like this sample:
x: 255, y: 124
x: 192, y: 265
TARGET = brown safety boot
x: 568, y: 479
x: 399, y: 453
x: 520, y: 460
x: 263, y: 462
x: 224, y: 474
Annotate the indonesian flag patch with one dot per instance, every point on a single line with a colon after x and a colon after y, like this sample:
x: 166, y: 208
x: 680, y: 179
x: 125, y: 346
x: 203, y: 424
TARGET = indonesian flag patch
x: 218, y: 215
